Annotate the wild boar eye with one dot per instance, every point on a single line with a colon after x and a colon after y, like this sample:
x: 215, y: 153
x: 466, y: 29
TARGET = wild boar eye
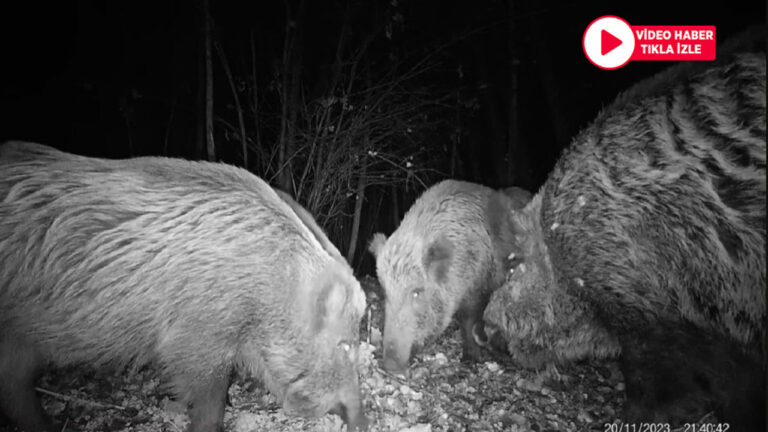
x: 345, y: 346
x: 417, y: 292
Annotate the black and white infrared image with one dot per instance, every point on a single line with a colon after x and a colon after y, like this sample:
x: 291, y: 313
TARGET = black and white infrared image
x: 383, y: 215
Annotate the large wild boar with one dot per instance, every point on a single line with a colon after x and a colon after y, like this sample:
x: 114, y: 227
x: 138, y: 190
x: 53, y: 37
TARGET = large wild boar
x: 197, y: 266
x: 653, y: 223
x: 536, y: 320
x: 443, y: 260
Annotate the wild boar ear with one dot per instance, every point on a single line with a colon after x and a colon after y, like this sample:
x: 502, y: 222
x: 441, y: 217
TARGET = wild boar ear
x: 437, y: 259
x: 331, y: 296
x: 498, y: 211
x: 376, y: 243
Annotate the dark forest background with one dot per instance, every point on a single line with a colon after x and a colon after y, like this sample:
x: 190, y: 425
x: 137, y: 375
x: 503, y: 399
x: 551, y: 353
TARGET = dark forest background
x: 354, y: 107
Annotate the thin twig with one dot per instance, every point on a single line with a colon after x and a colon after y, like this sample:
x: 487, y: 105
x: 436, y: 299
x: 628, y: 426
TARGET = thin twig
x: 78, y: 400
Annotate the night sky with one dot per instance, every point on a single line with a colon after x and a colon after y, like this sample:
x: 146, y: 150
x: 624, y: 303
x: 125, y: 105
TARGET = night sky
x: 121, y: 79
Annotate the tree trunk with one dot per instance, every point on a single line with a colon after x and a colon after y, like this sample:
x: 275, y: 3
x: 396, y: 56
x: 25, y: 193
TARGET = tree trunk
x: 395, y: 208
x: 200, y: 97
x: 171, y: 117
x: 517, y: 160
x: 292, y: 66
x: 207, y: 32
x: 456, y: 141
x: 549, y: 82
x: 497, y: 130
x: 238, y: 108
x: 256, y: 127
x: 359, y: 199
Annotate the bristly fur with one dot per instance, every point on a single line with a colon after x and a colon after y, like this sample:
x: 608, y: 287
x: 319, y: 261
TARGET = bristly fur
x: 539, y: 321
x: 452, y: 209
x: 655, y: 219
x: 681, y: 175
x: 446, y: 246
x: 200, y: 267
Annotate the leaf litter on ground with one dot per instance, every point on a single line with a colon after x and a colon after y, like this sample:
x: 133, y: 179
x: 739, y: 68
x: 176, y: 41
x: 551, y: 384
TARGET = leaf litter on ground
x: 440, y: 394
